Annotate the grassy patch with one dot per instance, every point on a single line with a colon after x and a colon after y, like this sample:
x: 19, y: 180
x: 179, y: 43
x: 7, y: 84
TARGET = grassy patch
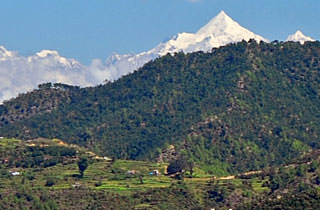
x: 257, y: 186
x: 9, y: 142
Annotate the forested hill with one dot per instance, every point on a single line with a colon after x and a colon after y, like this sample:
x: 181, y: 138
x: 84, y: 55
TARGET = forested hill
x: 240, y: 107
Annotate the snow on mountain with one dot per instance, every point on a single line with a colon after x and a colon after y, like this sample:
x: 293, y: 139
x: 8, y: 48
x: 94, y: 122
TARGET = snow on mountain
x: 299, y: 37
x: 221, y: 30
x: 23, y: 73
x: 20, y: 74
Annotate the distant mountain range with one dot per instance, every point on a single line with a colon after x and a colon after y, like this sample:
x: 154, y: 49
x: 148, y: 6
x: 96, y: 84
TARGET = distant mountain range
x: 20, y: 74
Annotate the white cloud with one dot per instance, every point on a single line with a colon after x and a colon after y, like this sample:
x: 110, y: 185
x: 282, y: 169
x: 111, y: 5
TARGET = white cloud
x: 20, y: 74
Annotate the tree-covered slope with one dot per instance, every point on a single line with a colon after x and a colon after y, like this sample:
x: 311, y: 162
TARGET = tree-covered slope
x: 240, y: 107
x: 43, y: 100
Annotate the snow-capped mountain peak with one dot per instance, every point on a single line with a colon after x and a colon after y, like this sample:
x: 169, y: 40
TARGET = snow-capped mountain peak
x: 219, y: 31
x: 218, y: 24
x: 222, y: 30
x: 299, y: 37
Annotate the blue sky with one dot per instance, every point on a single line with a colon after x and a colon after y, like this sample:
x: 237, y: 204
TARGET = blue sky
x: 88, y: 29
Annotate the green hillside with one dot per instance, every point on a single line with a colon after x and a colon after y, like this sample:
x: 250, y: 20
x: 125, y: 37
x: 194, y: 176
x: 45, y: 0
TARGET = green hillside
x: 238, y: 108
x: 128, y: 184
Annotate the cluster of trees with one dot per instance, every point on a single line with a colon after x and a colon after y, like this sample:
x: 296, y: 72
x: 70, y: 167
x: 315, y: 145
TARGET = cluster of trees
x: 180, y: 166
x: 43, y: 100
x: 242, y: 102
x: 293, y: 187
x: 36, y: 156
x: 305, y: 199
x: 22, y: 196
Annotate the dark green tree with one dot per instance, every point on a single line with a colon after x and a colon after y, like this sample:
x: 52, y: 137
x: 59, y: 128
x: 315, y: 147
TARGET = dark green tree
x: 83, y: 165
x: 141, y: 178
x: 177, y: 166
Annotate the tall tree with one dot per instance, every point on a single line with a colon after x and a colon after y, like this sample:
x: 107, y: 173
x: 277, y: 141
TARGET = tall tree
x: 83, y: 165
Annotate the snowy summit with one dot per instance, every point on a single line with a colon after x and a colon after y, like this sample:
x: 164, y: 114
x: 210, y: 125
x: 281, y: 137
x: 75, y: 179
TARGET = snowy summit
x: 219, y: 31
x: 299, y: 37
